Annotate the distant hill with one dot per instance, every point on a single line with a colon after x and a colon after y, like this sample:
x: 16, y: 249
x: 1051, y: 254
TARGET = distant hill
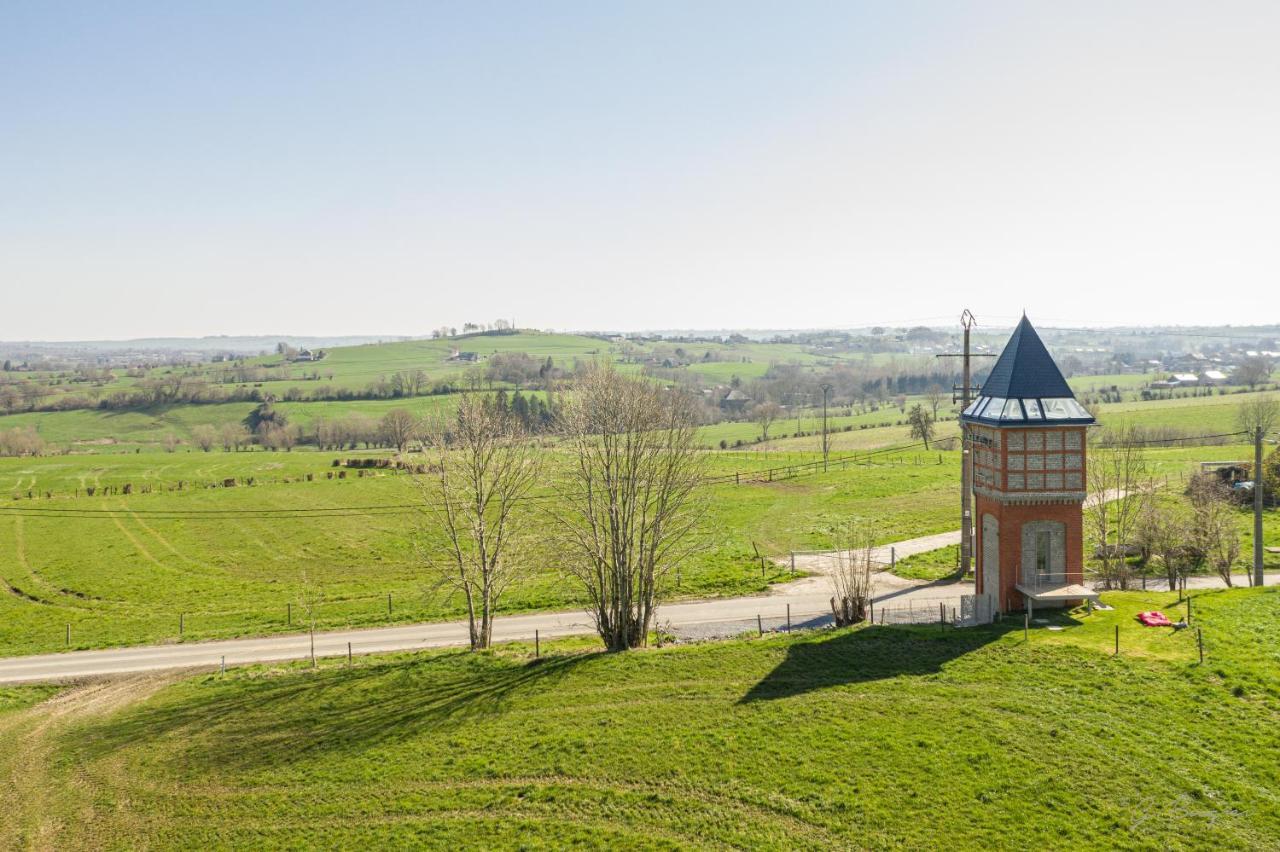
x: 239, y: 345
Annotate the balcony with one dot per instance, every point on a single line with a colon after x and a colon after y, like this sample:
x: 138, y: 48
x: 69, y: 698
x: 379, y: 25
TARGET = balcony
x: 1048, y: 587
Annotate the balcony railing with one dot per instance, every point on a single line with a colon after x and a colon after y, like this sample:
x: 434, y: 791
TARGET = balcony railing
x: 1044, y: 579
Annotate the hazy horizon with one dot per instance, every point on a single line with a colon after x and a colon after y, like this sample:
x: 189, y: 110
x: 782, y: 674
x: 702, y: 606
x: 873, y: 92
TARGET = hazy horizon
x: 187, y: 171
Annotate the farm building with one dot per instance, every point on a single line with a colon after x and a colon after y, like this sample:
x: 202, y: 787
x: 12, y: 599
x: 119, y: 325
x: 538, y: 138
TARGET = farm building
x: 735, y: 400
x: 1027, y: 446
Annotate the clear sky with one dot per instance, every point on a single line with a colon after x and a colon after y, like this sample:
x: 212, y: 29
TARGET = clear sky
x: 181, y: 168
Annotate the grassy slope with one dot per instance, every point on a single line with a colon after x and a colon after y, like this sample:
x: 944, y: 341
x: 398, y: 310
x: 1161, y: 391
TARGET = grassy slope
x: 877, y: 737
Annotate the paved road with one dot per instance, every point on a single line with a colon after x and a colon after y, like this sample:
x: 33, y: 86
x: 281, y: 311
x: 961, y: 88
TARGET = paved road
x: 808, y: 598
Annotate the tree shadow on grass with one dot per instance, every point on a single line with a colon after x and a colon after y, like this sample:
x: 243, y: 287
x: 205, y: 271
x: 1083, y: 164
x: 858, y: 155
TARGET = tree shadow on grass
x: 248, y: 724
x: 873, y: 652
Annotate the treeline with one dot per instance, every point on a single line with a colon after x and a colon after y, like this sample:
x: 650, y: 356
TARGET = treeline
x: 230, y: 385
x: 270, y: 428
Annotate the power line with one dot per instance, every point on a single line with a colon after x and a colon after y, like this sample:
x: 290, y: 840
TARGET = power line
x: 1185, y: 438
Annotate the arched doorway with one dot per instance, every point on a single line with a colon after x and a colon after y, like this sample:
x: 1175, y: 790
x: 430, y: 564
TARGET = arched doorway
x: 990, y: 565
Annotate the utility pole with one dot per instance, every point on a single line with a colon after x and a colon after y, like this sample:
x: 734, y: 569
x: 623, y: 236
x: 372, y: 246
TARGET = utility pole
x: 1258, y: 577
x: 826, y: 389
x: 967, y: 321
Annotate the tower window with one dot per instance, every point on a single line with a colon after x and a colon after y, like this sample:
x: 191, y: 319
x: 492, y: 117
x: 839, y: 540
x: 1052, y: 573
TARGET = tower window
x: 1043, y: 542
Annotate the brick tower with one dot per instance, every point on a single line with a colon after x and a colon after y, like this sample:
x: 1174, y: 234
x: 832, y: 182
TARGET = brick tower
x: 1027, y: 445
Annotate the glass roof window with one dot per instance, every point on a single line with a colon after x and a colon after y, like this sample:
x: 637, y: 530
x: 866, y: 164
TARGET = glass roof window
x: 1064, y: 409
x: 1001, y: 409
x: 1012, y: 410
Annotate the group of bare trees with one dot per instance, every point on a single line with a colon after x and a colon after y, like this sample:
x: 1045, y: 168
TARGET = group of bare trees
x: 623, y: 515
x: 21, y: 441
x: 1131, y: 520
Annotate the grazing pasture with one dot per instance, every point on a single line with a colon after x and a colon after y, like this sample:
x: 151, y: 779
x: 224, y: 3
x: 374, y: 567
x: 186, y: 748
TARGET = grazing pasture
x: 127, y: 569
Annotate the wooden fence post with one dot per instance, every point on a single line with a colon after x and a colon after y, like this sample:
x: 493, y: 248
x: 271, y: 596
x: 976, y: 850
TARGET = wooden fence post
x: 759, y: 624
x: 68, y: 633
x: 388, y: 604
x: 1200, y: 643
x: 537, y: 644
x: 1026, y: 627
x: 348, y: 655
x: 788, y: 618
x: 1117, y: 640
x: 182, y: 623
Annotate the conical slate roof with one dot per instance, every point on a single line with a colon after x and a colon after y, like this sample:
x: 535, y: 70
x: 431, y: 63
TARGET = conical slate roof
x: 1025, y: 387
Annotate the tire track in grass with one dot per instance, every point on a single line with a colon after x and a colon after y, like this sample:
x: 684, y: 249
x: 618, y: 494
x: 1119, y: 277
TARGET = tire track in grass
x: 43, y: 801
x: 20, y: 548
x: 167, y: 545
x: 138, y: 546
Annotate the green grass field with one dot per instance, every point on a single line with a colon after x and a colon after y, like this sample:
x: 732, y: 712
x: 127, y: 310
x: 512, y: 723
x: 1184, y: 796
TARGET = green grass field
x: 124, y: 572
x: 874, y: 737
x: 118, y: 570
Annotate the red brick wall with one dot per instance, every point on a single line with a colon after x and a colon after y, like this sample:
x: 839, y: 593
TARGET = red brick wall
x: 1011, y: 517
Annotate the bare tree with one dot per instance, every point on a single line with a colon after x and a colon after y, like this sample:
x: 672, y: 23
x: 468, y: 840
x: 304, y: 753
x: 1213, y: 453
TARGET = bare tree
x: 205, y: 436
x: 1119, y: 485
x: 921, y: 424
x: 1258, y: 412
x: 764, y: 415
x: 1214, y: 530
x: 170, y: 442
x: 483, y: 467
x: 851, y: 578
x: 233, y: 436
x: 1252, y: 371
x: 310, y: 597
x: 935, y: 396
x: 398, y: 428
x: 631, y: 509
x: 1165, y: 533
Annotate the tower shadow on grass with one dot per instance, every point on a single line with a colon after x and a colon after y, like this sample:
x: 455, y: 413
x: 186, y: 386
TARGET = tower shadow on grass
x: 273, y: 721
x: 870, y: 653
